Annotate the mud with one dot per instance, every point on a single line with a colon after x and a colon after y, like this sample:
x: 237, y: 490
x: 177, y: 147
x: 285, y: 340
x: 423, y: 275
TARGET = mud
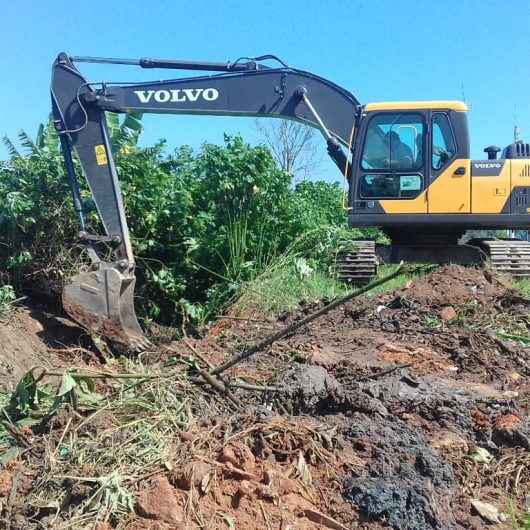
x: 403, y: 477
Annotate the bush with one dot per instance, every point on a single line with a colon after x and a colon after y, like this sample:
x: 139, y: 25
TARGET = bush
x: 202, y: 223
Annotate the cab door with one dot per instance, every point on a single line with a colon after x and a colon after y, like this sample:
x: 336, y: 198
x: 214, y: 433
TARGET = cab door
x: 392, y: 165
x: 449, y: 177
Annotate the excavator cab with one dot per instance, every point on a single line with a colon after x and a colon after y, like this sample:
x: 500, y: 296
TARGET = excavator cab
x: 412, y: 177
x: 401, y: 150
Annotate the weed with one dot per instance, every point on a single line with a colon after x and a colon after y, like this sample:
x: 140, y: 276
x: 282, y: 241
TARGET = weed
x: 465, y: 313
x: 7, y: 296
x: 401, y: 280
x: 523, y: 286
x: 111, y: 439
x: 431, y: 322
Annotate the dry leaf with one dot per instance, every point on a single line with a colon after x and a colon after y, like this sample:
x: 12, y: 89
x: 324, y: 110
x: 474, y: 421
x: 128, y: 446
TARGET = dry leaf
x: 303, y: 469
x: 206, y: 483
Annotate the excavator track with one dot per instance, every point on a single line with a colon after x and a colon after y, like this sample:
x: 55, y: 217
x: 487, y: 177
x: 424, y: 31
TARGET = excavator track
x: 507, y: 256
x: 357, y: 263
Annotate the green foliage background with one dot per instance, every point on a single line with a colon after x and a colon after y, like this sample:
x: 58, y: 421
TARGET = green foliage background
x: 203, y: 223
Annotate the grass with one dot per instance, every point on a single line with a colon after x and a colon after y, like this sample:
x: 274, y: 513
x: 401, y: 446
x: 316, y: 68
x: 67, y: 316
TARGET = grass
x: 523, y: 286
x: 282, y: 288
x: 113, y: 439
x: 395, y: 283
x: 284, y: 283
x: 7, y: 297
x: 519, y: 521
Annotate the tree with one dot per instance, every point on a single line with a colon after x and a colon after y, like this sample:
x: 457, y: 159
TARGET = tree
x: 292, y: 145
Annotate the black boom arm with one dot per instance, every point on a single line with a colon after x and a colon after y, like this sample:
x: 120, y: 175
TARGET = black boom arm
x: 243, y: 88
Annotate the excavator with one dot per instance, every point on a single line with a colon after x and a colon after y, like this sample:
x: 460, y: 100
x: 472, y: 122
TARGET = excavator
x: 406, y: 164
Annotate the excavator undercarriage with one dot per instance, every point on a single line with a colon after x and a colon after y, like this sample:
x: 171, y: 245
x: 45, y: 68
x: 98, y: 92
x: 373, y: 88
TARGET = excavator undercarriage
x: 358, y: 261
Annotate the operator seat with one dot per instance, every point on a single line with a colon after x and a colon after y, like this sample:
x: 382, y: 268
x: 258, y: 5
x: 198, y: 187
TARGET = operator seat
x: 400, y: 154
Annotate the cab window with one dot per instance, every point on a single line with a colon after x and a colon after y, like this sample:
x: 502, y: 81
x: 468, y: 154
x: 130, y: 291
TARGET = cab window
x: 390, y: 186
x: 394, y: 141
x: 443, y: 142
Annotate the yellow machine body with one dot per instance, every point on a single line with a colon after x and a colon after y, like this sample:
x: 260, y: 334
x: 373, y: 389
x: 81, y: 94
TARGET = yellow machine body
x: 454, y: 192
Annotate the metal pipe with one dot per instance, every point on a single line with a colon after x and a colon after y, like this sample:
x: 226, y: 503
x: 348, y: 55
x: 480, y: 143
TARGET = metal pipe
x: 198, y: 65
x: 72, y: 180
x: 104, y: 60
x: 327, y: 134
x: 145, y: 62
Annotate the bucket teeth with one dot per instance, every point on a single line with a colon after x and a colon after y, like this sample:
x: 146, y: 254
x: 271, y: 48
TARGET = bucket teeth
x: 102, y: 302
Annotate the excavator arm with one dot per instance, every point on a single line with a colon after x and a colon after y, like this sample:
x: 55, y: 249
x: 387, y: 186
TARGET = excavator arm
x: 101, y: 299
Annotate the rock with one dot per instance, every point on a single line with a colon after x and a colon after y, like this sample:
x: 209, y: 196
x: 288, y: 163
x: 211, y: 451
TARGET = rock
x: 447, y: 313
x: 228, y: 456
x: 158, y: 502
x: 507, y: 421
x: 244, y: 489
x: 309, y: 387
x: 186, y: 436
x: 192, y: 474
x: 487, y: 511
x: 450, y: 440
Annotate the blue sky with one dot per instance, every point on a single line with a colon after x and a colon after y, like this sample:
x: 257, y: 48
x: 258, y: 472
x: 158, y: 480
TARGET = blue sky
x: 378, y: 49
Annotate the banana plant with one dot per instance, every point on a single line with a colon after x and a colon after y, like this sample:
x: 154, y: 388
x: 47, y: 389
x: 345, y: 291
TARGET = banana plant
x: 46, y: 142
x: 124, y: 132
x: 124, y: 135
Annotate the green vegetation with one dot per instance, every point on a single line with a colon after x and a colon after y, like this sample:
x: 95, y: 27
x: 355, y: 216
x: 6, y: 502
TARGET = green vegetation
x: 7, y: 295
x: 523, y: 286
x: 519, y: 521
x: 141, y: 413
x: 205, y: 225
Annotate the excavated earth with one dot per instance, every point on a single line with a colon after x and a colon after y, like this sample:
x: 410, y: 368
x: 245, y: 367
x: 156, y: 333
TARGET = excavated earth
x: 397, y: 411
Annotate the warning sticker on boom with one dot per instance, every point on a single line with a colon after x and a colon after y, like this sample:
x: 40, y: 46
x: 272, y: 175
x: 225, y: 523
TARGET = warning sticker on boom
x: 101, y: 155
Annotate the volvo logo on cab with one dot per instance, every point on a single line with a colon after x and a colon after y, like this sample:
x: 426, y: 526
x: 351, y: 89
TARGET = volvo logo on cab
x: 179, y: 95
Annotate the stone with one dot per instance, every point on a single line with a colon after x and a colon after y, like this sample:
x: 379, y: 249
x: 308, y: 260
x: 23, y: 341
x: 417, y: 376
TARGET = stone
x: 448, y: 313
x: 487, y: 511
x: 158, y: 501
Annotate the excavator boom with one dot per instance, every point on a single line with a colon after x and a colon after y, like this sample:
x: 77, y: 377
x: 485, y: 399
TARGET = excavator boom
x: 102, y: 298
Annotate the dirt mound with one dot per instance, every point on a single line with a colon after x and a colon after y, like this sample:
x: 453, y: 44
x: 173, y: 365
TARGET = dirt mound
x: 393, y: 412
x: 32, y: 336
x: 455, y: 286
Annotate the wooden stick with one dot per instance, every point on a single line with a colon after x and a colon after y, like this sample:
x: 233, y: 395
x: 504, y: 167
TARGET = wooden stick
x: 267, y: 341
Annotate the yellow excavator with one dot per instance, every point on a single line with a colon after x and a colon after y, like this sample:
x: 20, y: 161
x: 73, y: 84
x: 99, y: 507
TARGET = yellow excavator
x: 407, y: 165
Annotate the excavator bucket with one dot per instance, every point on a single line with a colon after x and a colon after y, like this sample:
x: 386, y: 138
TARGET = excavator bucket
x: 102, y: 302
